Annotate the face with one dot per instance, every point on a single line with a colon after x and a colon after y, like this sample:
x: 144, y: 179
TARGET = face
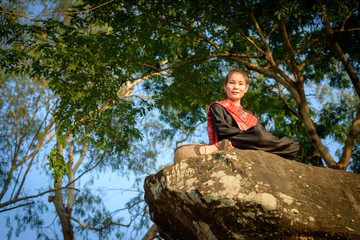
x: 236, y: 87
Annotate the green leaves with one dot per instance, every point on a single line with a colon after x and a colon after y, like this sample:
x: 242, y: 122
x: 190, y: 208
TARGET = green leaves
x: 111, y: 66
x: 90, y: 59
x: 57, y: 165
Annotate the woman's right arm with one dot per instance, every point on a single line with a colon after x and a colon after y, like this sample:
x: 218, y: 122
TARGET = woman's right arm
x: 222, y: 122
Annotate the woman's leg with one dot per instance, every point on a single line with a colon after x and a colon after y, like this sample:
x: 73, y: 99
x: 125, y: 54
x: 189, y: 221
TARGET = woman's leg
x: 259, y: 139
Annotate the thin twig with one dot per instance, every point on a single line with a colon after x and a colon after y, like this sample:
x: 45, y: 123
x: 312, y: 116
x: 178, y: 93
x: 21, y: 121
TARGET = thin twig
x: 21, y: 205
x: 54, y: 14
x: 345, y: 20
x: 232, y: 24
x: 281, y: 96
x: 30, y: 197
x: 346, y: 30
x: 52, y: 190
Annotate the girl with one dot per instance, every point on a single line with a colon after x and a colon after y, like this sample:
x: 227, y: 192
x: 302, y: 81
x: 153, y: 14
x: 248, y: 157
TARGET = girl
x: 230, y: 126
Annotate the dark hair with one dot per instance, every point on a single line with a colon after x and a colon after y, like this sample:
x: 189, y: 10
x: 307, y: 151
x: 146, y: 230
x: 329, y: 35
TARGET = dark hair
x: 231, y: 72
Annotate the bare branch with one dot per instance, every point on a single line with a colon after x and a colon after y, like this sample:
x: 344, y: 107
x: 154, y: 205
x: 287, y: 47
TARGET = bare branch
x: 301, y: 66
x: 109, y: 223
x: 151, y: 233
x: 126, y: 208
x: 268, y: 55
x: 281, y: 96
x: 187, y: 133
x: 298, y: 76
x: 345, y: 20
x: 33, y: 154
x: 83, y: 153
x: 258, y: 29
x: 10, y: 107
x: 7, y: 203
x: 71, y: 193
x: 29, y: 125
x: 21, y: 205
x: 346, y: 30
x: 204, y: 38
x: 272, y: 30
x: 51, y: 190
x: 54, y: 14
x: 350, y: 141
x: 139, y: 80
x: 102, y: 228
x: 279, y: 93
x: 7, y: 182
x: 39, y: 144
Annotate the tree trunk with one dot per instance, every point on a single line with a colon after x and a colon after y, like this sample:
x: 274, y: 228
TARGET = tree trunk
x: 304, y: 112
x: 64, y: 214
x: 350, y: 142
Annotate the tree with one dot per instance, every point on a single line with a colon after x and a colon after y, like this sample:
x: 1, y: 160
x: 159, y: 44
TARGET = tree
x: 23, y: 131
x: 101, y: 141
x: 305, y: 80
x: 291, y: 45
x: 191, y: 45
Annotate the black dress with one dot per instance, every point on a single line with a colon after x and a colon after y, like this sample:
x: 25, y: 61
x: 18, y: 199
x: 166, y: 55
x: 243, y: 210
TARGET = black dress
x: 256, y: 137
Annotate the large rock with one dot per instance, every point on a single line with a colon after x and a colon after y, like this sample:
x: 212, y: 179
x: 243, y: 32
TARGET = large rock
x: 245, y: 194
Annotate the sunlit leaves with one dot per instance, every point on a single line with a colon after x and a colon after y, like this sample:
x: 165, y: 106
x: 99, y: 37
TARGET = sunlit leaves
x: 57, y: 165
x: 89, y: 59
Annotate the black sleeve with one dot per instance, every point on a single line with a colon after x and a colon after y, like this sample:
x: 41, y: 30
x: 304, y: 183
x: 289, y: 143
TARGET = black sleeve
x: 222, y: 122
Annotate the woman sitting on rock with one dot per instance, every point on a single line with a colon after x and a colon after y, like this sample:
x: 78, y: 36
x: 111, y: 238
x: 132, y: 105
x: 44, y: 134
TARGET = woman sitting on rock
x: 230, y: 126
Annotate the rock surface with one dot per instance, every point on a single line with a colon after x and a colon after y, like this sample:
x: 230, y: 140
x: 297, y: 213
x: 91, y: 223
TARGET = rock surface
x: 246, y: 194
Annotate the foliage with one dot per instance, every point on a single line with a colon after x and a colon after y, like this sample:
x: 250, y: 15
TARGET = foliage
x: 57, y: 163
x: 110, y: 64
x: 195, y: 47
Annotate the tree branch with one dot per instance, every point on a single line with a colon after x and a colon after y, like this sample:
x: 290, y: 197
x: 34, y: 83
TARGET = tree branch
x: 268, y: 55
x: 71, y: 193
x: 301, y: 66
x: 151, y: 233
x: 348, y: 68
x: 298, y: 76
x: 281, y: 96
x: 259, y: 31
x: 29, y: 197
x: 108, y: 222
x: 101, y: 228
x: 39, y: 144
x: 350, y: 142
x: 54, y: 14
x: 237, y: 29
x: 345, y: 20
x: 83, y: 153
x: 21, y: 205
x: 51, y: 190
x: 346, y: 30
x: 270, y: 74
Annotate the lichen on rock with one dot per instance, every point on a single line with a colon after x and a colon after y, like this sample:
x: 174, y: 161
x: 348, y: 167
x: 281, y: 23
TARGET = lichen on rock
x: 245, y: 194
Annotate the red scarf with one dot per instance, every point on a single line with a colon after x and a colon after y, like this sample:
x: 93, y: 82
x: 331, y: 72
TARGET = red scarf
x: 243, y: 119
